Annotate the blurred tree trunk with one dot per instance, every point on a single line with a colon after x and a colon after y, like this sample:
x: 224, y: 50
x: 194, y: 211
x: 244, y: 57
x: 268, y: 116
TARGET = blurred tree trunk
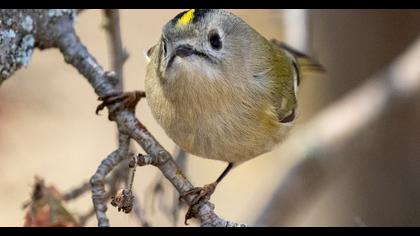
x: 376, y: 182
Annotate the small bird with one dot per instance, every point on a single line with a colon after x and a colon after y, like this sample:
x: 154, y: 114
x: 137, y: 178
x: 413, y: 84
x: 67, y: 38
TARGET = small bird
x: 220, y: 90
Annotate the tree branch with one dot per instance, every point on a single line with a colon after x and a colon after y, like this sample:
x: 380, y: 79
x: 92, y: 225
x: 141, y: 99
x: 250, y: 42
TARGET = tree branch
x: 97, y: 180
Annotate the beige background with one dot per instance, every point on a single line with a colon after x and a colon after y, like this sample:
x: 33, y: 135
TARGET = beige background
x: 48, y: 126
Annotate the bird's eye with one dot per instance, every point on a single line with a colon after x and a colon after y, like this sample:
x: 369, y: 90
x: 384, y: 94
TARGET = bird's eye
x: 214, y: 39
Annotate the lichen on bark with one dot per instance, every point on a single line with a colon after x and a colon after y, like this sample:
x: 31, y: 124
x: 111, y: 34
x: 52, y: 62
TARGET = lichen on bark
x: 20, y: 33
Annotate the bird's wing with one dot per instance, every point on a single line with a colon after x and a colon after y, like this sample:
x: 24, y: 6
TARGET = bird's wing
x: 284, y: 75
x: 299, y: 65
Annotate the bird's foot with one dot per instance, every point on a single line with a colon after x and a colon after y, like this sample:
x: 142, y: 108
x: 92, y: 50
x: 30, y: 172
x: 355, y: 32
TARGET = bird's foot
x: 201, y: 195
x: 119, y: 101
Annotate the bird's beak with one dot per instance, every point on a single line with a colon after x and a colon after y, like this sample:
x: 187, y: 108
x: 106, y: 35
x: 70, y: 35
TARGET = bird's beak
x: 184, y: 50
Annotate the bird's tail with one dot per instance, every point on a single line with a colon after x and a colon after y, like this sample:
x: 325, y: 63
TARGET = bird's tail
x: 307, y: 65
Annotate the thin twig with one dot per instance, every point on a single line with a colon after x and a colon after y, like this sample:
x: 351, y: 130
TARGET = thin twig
x: 138, y: 213
x: 76, y: 192
x: 84, y: 218
x: 97, y: 181
x: 119, y: 55
x: 119, y: 175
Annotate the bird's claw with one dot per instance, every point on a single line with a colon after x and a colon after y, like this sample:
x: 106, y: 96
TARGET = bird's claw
x: 127, y: 100
x: 201, y: 195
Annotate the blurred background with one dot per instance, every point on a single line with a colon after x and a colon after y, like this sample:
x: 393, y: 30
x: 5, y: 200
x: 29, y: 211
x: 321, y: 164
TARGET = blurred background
x: 48, y: 127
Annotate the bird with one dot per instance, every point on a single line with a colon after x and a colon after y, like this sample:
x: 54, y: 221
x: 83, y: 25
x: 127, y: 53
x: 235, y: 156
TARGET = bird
x: 222, y: 91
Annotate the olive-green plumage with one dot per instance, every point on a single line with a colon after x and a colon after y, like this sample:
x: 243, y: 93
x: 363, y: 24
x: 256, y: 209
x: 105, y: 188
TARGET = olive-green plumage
x: 219, y: 89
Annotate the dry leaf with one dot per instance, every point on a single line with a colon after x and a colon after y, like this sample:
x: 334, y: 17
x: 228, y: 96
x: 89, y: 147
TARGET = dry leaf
x: 46, y: 208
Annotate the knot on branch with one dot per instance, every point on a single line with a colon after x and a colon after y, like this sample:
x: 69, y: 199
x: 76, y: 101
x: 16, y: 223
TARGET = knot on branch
x: 112, y: 77
x: 162, y: 157
x: 143, y: 160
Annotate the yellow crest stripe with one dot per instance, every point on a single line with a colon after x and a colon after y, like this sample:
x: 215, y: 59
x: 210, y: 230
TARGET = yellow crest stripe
x: 186, y: 18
